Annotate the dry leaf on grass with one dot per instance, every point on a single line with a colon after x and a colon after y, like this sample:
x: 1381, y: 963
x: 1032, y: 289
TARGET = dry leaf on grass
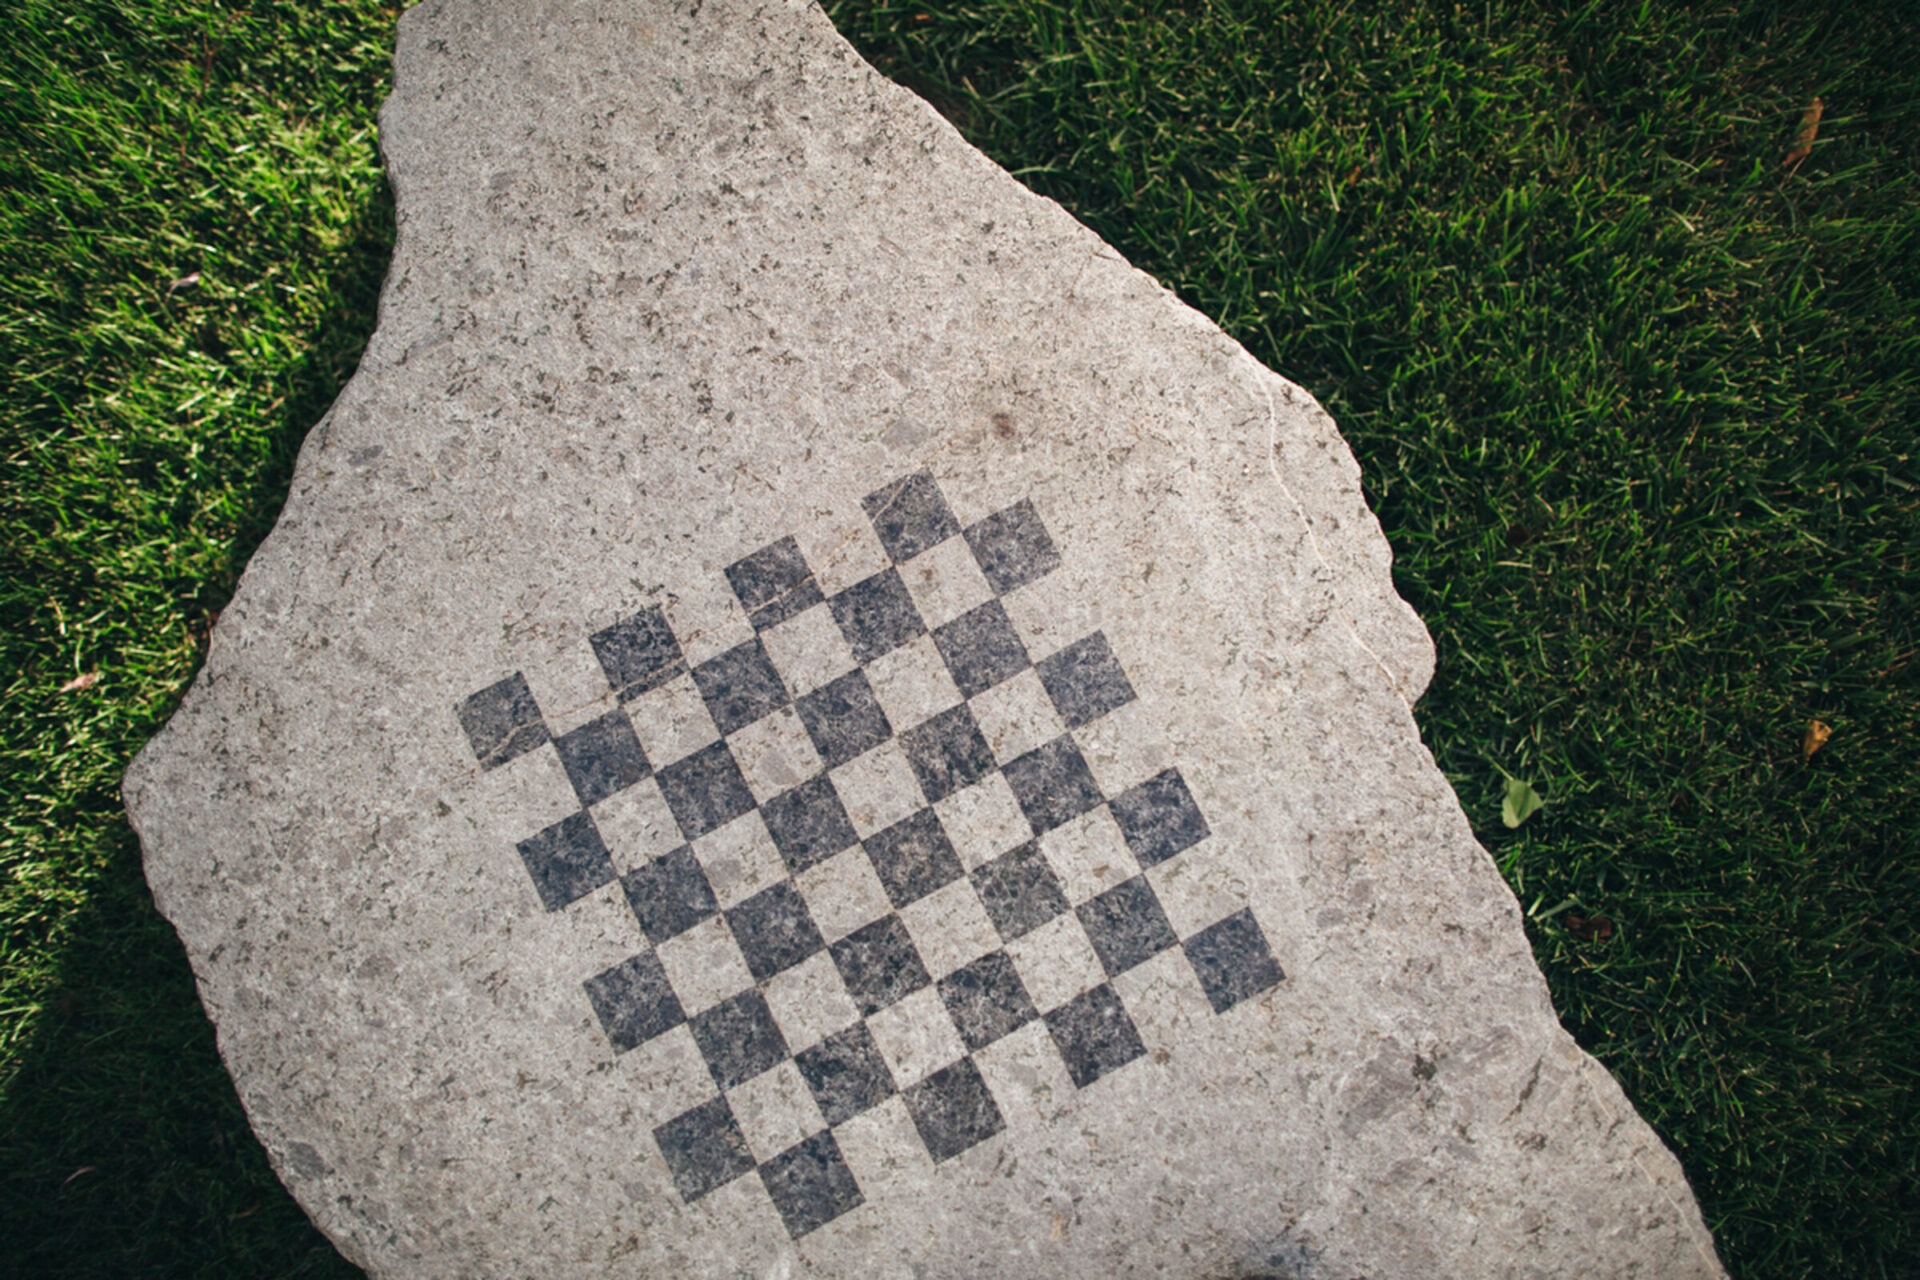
x: 1809, y: 129
x: 1589, y: 928
x: 78, y: 683
x: 1818, y: 731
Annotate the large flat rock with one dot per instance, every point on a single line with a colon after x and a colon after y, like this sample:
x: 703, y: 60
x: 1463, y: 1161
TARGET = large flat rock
x: 803, y: 717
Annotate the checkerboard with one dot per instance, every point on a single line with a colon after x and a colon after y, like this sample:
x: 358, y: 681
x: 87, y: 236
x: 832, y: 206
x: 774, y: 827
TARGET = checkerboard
x: 925, y: 884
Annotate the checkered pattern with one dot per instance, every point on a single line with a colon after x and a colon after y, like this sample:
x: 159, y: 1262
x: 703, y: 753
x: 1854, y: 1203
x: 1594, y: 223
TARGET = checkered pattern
x: 904, y: 927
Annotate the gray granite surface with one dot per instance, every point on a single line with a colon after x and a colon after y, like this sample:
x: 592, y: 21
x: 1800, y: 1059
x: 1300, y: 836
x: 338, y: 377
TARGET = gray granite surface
x: 803, y: 717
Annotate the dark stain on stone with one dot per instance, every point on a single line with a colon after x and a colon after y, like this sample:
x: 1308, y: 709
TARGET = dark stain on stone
x: 1423, y: 1067
x: 1003, y: 426
x: 305, y: 1162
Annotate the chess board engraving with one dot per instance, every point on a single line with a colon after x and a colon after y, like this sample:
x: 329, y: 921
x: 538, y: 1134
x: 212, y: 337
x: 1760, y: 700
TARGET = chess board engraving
x: 909, y: 974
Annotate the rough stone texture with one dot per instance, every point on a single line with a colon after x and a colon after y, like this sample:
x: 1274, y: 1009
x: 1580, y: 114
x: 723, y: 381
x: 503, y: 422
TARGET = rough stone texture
x: 804, y: 717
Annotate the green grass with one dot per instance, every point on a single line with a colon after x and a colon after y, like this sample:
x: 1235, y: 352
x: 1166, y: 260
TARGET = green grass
x: 1638, y: 405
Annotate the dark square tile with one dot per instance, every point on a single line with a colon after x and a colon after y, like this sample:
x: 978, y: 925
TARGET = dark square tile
x: 774, y: 583
x: 602, y: 756
x: 981, y: 648
x: 740, y: 686
x: 987, y: 999
x: 1159, y: 818
x: 739, y: 1038
x: 1233, y: 961
x: 947, y: 752
x: 502, y: 721
x: 953, y: 1110
x: 1126, y: 925
x: 705, y: 791
x: 1053, y: 784
x: 1019, y: 891
x: 910, y: 516
x: 1085, y: 680
x: 810, y: 1184
x: 704, y: 1149
x: 913, y: 857
x: 1012, y: 547
x: 844, y: 719
x: 567, y: 861
x: 1094, y: 1035
x: 774, y: 930
x: 634, y: 1001
x: 808, y: 824
x: 846, y: 1073
x: 669, y: 895
x: 639, y: 653
x: 879, y: 964
x: 876, y: 615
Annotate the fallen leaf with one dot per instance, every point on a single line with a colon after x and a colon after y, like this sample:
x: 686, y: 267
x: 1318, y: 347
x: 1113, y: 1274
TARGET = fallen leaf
x: 1809, y: 129
x: 187, y: 281
x: 1589, y: 928
x: 1818, y: 731
x: 78, y: 683
x: 1521, y: 803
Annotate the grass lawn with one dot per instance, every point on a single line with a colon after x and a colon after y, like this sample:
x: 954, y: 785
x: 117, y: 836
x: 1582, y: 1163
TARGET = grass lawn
x: 1638, y: 404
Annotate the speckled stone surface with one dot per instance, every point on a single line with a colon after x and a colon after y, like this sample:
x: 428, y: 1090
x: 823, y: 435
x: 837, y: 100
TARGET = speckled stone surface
x: 804, y: 718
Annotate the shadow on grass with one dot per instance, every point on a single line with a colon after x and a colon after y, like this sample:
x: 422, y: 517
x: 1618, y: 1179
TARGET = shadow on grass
x: 123, y: 1147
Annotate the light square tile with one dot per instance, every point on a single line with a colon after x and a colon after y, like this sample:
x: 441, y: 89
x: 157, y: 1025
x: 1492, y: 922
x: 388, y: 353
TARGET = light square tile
x: 1196, y: 890
x: 1125, y: 747
x: 569, y: 684
x: 706, y: 618
x: 740, y: 859
x: 843, y: 893
x: 984, y: 820
x: 704, y: 965
x: 636, y: 825
x: 842, y: 550
x: 596, y: 932
x: 810, y: 1002
x: 808, y: 650
x: 1089, y: 855
x: 671, y: 721
x: 916, y: 1036
x: 912, y: 683
x: 775, y: 754
x: 673, y: 1069
x: 1049, y: 615
x: 531, y: 793
x: 1056, y: 962
x: 774, y: 1110
x: 950, y: 928
x: 1028, y: 1080
x: 945, y: 581
x: 884, y: 1150
x: 1017, y: 716
x: 1167, y: 1004
x: 878, y: 789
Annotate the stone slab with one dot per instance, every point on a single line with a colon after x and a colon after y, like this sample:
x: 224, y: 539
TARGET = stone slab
x: 802, y: 717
